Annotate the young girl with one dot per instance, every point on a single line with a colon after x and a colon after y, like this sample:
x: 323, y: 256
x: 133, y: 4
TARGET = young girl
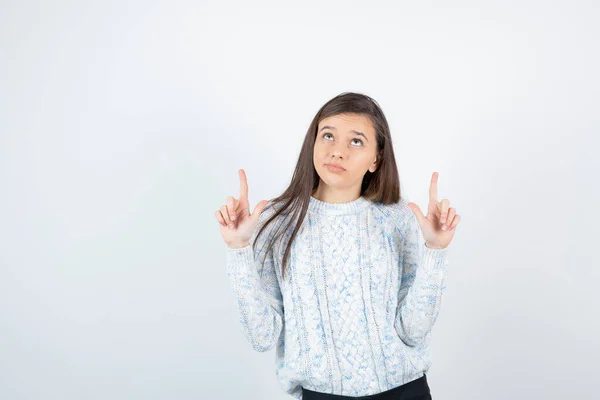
x: 340, y: 272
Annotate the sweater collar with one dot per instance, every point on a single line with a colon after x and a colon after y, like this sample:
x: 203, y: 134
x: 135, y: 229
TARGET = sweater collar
x: 350, y: 207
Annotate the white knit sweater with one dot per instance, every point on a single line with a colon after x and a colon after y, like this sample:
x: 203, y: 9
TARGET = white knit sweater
x: 360, y: 297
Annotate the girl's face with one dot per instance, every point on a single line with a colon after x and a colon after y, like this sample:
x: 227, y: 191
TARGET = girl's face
x: 347, y: 140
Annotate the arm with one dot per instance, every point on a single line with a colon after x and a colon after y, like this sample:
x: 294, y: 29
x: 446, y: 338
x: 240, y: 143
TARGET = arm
x: 423, y: 272
x: 255, y: 284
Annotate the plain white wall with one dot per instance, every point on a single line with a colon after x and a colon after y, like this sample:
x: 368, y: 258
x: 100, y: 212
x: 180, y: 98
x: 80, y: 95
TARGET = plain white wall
x: 123, y: 125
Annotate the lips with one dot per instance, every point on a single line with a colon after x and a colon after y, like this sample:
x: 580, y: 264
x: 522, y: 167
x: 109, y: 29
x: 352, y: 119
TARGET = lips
x: 335, y: 167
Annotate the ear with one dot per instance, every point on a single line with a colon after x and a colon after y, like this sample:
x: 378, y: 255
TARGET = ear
x: 373, y: 166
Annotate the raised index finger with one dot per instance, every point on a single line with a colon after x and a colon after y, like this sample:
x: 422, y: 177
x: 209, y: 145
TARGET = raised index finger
x: 243, y: 185
x: 433, y: 188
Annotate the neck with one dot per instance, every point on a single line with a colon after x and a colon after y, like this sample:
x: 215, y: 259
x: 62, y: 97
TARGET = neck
x: 327, y: 208
x: 330, y: 195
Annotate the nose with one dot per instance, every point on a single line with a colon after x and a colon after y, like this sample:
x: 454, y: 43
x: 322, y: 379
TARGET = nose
x: 338, y: 151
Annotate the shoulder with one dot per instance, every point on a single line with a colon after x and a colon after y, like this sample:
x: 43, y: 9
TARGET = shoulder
x: 267, y: 212
x: 396, y: 211
x: 270, y: 209
x: 398, y: 214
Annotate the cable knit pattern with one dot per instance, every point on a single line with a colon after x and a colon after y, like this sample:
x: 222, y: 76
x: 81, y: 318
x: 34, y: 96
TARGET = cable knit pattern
x: 361, y: 295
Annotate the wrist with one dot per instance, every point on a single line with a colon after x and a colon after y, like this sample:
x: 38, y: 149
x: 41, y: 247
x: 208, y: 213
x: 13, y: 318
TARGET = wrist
x: 238, y: 245
x: 432, y: 246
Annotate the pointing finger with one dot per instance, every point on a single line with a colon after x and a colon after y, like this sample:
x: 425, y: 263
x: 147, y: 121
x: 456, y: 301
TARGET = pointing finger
x: 433, y: 188
x: 243, y: 185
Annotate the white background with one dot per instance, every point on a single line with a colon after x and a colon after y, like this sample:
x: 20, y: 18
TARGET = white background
x: 123, y: 125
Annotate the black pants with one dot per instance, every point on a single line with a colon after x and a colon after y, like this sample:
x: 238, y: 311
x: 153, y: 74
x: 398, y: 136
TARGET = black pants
x: 415, y: 390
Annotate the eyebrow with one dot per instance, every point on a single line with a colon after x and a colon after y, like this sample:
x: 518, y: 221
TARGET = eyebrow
x: 355, y: 132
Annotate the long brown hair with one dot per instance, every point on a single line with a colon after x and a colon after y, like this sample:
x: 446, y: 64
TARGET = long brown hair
x: 381, y: 186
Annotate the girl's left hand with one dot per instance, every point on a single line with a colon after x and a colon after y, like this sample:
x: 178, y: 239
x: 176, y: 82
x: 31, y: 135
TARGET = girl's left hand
x: 438, y: 227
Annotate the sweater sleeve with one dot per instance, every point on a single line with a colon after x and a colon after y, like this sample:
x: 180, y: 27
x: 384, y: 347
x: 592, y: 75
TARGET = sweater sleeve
x: 255, y: 284
x: 423, y: 272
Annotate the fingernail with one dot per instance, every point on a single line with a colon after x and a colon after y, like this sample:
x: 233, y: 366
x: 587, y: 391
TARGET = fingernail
x: 231, y: 226
x: 233, y: 217
x: 444, y: 227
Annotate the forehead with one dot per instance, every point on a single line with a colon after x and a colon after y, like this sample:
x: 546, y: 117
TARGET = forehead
x: 347, y: 122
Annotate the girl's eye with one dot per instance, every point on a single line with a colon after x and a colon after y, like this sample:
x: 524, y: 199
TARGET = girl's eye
x: 358, y: 140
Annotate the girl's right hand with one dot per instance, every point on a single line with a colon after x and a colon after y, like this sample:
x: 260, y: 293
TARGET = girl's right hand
x: 236, y: 223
